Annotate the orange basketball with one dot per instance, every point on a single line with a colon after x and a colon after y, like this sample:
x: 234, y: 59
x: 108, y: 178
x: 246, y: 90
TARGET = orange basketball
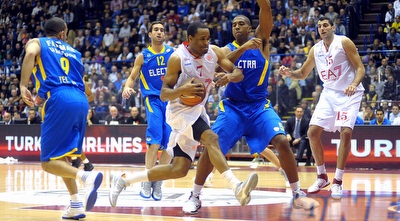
x: 192, y: 100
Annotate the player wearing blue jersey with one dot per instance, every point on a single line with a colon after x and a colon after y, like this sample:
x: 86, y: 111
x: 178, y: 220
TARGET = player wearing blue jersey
x: 151, y: 66
x: 246, y: 111
x: 58, y: 70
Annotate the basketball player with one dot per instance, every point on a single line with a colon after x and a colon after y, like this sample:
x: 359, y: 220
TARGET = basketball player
x: 190, y: 124
x: 340, y: 68
x: 151, y: 64
x: 246, y: 110
x: 58, y: 68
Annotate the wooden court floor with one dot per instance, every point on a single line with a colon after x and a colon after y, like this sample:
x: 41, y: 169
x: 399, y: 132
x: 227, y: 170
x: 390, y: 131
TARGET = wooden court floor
x: 28, y: 193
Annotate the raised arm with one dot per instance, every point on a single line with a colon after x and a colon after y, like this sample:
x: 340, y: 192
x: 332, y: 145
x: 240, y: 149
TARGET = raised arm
x: 264, y: 28
x: 128, y: 90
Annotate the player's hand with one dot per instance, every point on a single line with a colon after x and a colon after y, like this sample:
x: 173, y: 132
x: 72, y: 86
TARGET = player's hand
x: 193, y: 88
x: 126, y: 93
x: 285, y: 71
x: 221, y: 79
x: 350, y: 90
x: 27, y: 96
x: 253, y: 43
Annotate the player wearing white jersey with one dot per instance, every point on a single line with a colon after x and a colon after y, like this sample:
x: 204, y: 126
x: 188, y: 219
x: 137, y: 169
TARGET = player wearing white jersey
x: 340, y: 68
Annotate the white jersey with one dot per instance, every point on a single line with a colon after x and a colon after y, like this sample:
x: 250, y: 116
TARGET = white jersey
x: 333, y: 66
x: 181, y: 117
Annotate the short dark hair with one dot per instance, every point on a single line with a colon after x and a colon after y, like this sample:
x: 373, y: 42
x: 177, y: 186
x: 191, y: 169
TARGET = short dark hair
x: 323, y: 18
x: 54, y: 26
x: 194, y: 27
x: 155, y: 23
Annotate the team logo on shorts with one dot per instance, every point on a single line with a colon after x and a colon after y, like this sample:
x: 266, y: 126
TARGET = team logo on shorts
x: 148, y: 139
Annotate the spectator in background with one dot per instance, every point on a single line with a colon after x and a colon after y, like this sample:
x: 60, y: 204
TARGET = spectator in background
x: 114, y: 117
x: 135, y: 117
x: 33, y: 118
x: 371, y: 96
x: 393, y: 36
x: 340, y: 29
x: 390, y: 14
x: 379, y: 119
x: 389, y: 89
x: 92, y: 118
x: 395, y: 113
x: 7, y: 118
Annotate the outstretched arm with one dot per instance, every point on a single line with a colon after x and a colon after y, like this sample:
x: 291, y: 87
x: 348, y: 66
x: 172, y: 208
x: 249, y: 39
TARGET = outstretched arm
x: 303, y: 72
x: 235, y: 75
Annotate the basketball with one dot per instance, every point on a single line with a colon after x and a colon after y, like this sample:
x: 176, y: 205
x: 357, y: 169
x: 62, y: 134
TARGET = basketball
x: 192, y: 100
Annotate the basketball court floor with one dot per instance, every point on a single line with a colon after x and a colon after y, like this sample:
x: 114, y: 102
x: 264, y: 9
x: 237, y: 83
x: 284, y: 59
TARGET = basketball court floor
x: 28, y: 193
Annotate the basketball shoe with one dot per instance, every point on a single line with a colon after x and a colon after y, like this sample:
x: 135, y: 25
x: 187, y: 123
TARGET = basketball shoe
x: 336, y: 189
x: 156, y: 194
x: 192, y: 205
x: 145, y: 190
x: 116, y: 187
x: 74, y: 211
x: 91, y: 182
x: 321, y: 182
x: 88, y: 166
x: 243, y: 189
x: 301, y: 201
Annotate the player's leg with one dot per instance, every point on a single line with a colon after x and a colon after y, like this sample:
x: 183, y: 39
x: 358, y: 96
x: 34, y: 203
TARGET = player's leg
x: 210, y: 140
x: 179, y: 168
x: 270, y: 155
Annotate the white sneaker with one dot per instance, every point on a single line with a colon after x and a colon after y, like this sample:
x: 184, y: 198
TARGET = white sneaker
x: 336, y: 189
x: 74, y: 211
x: 91, y: 183
x: 243, y: 189
x: 321, y: 182
x: 301, y: 201
x: 157, y: 193
x: 116, y: 187
x: 192, y: 205
x: 145, y: 191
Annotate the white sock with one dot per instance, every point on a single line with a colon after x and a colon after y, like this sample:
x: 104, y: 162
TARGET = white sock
x: 231, y: 179
x: 295, y: 186
x: 339, y: 174
x: 197, y: 190
x: 141, y: 176
x: 85, y: 161
x: 75, y: 198
x: 321, y: 169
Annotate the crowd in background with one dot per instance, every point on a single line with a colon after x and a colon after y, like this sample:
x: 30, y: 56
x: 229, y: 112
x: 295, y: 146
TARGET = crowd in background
x: 111, y: 34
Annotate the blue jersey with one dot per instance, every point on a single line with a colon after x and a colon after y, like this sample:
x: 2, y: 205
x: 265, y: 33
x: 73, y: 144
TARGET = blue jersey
x: 256, y: 73
x: 153, y: 70
x: 57, y: 55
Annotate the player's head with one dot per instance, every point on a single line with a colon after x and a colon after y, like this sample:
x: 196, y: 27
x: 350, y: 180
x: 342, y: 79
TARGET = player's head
x: 241, y: 27
x: 56, y: 27
x: 326, y: 28
x: 157, y: 31
x: 199, y: 38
